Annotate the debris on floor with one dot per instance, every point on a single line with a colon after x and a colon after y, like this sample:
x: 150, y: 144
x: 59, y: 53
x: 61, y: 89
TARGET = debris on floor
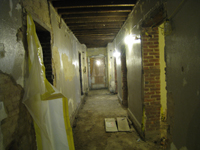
x: 122, y: 124
x: 89, y: 132
x: 110, y: 125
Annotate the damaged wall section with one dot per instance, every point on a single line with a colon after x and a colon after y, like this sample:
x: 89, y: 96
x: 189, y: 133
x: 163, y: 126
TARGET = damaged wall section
x: 17, y: 129
x: 65, y: 50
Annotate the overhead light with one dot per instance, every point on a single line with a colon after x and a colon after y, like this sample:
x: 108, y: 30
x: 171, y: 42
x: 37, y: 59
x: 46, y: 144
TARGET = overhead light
x: 98, y: 62
x: 116, y: 54
x: 129, y: 39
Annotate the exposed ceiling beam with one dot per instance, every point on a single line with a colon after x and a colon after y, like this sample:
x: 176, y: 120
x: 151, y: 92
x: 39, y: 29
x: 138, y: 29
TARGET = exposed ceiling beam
x: 95, y: 30
x: 108, y: 27
x: 93, y: 23
x: 93, y: 12
x: 94, y: 20
x: 90, y: 2
x: 65, y: 6
x: 120, y: 14
x: 95, y: 17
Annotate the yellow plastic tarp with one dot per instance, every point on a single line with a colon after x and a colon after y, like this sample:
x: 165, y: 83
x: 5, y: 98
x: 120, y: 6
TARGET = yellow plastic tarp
x: 48, y: 107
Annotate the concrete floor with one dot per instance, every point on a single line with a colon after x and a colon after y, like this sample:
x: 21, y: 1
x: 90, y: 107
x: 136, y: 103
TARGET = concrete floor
x: 89, y: 129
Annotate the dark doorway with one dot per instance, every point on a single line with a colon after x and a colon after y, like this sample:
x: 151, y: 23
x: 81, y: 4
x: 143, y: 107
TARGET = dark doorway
x: 45, y: 38
x: 80, y: 73
x: 115, y: 67
x: 124, y: 77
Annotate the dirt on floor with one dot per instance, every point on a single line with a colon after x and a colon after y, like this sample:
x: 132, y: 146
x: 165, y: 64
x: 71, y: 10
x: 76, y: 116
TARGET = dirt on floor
x: 89, y: 128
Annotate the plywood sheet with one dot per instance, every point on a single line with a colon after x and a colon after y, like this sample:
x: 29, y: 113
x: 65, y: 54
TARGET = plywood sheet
x: 110, y: 125
x: 123, y: 124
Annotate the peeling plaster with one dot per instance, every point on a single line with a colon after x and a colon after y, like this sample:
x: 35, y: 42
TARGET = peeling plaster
x: 56, y: 61
x: 69, y: 72
x: 18, y: 7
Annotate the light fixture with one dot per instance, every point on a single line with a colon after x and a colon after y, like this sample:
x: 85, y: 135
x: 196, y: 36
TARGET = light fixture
x: 116, y: 54
x: 98, y: 62
x: 129, y: 39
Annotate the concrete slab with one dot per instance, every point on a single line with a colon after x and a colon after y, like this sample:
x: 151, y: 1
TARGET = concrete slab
x: 110, y: 125
x: 123, y: 124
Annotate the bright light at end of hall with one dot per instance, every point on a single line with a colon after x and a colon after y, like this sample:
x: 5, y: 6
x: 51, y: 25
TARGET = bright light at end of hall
x: 98, y: 62
x: 116, y: 54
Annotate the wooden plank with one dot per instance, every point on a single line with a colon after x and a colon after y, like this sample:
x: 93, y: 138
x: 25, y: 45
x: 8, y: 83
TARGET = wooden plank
x: 92, y: 12
x: 120, y: 14
x: 59, y: 3
x: 110, y: 125
x: 95, y: 20
x: 91, y: 6
x: 122, y: 124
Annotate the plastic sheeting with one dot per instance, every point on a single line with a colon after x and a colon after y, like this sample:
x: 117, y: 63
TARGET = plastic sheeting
x: 48, y: 107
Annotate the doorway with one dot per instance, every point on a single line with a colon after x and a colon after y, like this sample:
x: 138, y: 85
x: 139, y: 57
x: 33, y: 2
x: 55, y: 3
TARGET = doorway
x: 80, y: 73
x: 97, y: 72
x: 124, y: 77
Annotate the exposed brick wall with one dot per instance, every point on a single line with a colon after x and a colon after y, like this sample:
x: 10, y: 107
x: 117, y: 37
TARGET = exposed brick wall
x: 17, y: 128
x: 151, y: 78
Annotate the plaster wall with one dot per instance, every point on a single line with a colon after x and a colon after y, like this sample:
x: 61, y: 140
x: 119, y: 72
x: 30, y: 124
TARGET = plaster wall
x: 182, y: 60
x: 65, y: 49
x: 11, y: 46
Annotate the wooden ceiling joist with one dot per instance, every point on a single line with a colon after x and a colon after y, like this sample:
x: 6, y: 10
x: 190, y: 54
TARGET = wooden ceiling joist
x: 93, y: 12
x: 94, y: 23
x: 94, y: 6
x: 115, y: 14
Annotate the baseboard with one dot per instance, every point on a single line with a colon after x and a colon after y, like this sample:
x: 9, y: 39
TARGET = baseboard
x: 72, y: 118
x: 136, y: 124
x: 119, y: 98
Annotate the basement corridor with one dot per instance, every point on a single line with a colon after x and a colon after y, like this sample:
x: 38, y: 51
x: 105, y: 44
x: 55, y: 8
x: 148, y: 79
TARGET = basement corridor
x: 89, y: 128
